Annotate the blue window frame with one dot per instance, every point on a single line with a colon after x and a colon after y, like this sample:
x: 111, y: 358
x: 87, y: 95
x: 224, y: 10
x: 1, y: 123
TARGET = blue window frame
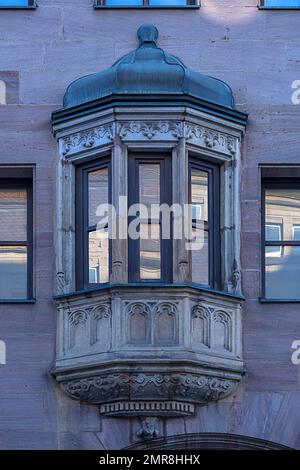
x: 17, y: 4
x: 147, y: 3
x: 280, y: 4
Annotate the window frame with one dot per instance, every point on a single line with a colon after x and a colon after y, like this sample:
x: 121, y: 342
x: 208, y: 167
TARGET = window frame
x: 214, y: 217
x: 32, y: 5
x: 261, y: 6
x: 82, y: 229
x: 191, y: 4
x: 274, y: 183
x: 27, y: 184
x: 134, y: 159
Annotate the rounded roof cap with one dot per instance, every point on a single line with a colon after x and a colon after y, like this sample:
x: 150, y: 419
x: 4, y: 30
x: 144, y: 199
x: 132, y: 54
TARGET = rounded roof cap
x: 148, y: 70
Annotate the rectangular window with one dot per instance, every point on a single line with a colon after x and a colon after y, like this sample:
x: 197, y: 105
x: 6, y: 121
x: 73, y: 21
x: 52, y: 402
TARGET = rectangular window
x: 15, y: 238
x: 281, y: 221
x: 93, y: 245
x: 283, y: 4
x: 204, y: 200
x: 147, y: 3
x: 17, y: 4
x: 150, y: 251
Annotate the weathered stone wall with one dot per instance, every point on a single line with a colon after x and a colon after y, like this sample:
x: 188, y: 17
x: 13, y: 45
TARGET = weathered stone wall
x: 41, y: 52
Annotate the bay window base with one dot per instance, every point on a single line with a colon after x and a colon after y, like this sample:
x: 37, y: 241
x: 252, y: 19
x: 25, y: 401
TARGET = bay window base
x: 137, y: 351
x: 167, y: 390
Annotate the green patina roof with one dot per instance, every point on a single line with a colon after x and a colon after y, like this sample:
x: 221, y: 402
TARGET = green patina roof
x: 148, y: 70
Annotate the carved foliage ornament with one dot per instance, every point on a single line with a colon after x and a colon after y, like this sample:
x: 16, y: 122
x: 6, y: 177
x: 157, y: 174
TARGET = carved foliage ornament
x: 149, y: 130
x: 87, y: 139
x: 184, y: 387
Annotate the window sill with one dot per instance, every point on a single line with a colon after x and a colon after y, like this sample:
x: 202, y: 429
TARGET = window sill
x: 149, y: 285
x: 17, y: 301
x: 146, y: 7
x: 278, y: 301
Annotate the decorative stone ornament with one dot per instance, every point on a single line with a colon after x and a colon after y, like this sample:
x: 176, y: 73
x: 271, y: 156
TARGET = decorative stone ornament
x: 149, y: 350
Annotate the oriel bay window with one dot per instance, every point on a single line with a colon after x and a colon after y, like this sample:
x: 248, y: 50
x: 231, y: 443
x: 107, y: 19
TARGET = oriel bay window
x: 15, y: 238
x: 168, y: 278
x: 281, y: 220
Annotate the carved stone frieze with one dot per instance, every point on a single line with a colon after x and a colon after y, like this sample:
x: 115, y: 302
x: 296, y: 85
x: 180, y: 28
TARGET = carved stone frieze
x: 140, y: 130
x: 86, y: 139
x: 143, y: 387
x: 150, y: 130
x: 210, y: 139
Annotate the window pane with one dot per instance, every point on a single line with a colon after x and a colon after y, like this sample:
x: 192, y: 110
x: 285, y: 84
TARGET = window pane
x: 282, y: 276
x: 150, y: 256
x: 273, y: 232
x: 282, y: 3
x: 13, y: 215
x: 98, y: 257
x: 13, y: 3
x: 124, y: 2
x: 150, y: 246
x: 200, y: 267
x: 282, y: 209
x: 97, y: 193
x: 199, y: 196
x: 149, y: 184
x: 13, y: 272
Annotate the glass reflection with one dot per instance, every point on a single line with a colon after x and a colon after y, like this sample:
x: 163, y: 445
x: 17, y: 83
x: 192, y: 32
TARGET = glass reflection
x: 200, y: 269
x: 149, y: 184
x: 98, y: 193
x: 150, y: 251
x: 282, y: 279
x: 13, y: 272
x: 199, y: 197
x: 282, y: 210
x: 98, y: 257
x: 13, y: 215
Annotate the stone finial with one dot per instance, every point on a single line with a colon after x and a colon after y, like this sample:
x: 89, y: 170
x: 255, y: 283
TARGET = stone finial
x: 147, y: 34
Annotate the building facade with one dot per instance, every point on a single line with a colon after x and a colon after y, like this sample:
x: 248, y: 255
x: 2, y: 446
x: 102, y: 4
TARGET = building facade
x: 109, y: 343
